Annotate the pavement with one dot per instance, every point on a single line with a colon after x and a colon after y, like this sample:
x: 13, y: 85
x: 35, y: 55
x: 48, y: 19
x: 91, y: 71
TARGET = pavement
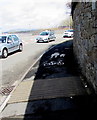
x: 52, y: 89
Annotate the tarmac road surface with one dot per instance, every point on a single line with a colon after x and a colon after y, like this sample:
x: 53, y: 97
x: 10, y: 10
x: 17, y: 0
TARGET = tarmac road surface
x: 16, y: 64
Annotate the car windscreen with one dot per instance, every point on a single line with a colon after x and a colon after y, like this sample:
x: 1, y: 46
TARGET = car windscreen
x: 44, y: 33
x: 2, y: 39
x: 69, y: 31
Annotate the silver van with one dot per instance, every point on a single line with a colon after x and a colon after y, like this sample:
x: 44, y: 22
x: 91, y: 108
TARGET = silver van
x: 9, y: 43
x: 46, y: 36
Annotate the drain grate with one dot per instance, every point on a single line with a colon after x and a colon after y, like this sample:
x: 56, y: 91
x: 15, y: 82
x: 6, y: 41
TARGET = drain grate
x: 6, y: 90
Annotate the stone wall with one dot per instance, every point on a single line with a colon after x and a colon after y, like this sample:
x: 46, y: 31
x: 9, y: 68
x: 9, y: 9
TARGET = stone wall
x: 85, y: 39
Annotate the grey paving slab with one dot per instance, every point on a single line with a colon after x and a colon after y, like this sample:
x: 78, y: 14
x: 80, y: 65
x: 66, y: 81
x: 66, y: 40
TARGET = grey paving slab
x: 29, y: 96
x: 59, y: 87
x: 47, y: 89
x: 14, y: 109
x: 28, y: 108
x: 22, y: 92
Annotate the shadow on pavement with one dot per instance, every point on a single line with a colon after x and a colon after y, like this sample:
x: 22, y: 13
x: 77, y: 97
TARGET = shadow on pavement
x: 59, y: 62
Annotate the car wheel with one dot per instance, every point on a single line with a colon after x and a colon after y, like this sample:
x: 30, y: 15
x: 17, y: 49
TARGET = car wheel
x: 48, y: 40
x: 20, y: 47
x: 4, y: 53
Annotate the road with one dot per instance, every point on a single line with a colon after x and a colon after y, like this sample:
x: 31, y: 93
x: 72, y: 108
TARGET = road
x: 15, y: 65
